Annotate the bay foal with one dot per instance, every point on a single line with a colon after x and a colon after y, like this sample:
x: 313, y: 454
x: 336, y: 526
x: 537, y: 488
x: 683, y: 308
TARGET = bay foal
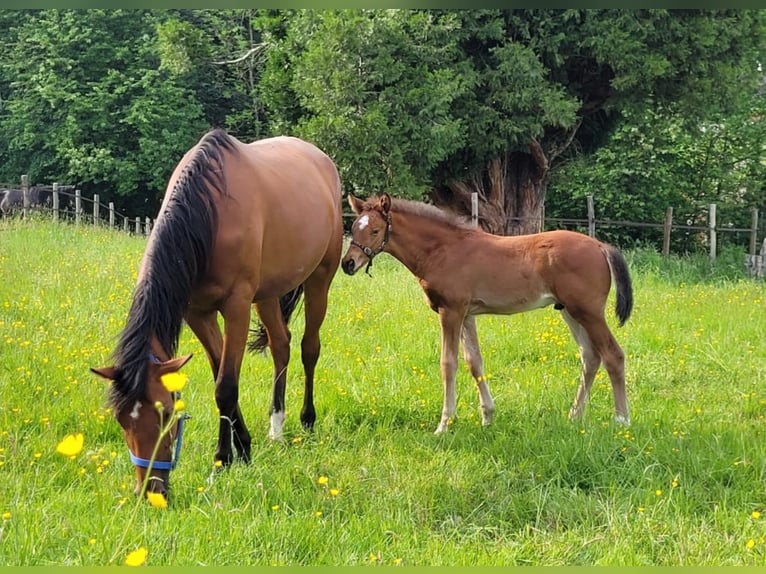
x: 465, y: 272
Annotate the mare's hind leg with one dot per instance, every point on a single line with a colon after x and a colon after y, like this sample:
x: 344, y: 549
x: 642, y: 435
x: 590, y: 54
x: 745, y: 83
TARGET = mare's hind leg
x: 315, y: 299
x: 472, y: 356
x: 204, y: 324
x: 613, y: 358
x: 279, y: 345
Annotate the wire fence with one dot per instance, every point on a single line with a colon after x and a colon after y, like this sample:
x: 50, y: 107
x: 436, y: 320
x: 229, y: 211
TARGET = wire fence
x: 66, y: 202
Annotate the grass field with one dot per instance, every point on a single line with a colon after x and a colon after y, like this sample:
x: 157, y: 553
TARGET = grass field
x: 684, y: 485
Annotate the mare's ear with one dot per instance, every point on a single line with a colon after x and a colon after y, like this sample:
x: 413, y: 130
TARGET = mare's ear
x: 108, y: 373
x: 173, y: 365
x: 355, y: 203
x: 385, y: 203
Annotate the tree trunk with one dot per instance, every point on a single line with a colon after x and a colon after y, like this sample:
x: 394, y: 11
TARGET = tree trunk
x: 511, y: 191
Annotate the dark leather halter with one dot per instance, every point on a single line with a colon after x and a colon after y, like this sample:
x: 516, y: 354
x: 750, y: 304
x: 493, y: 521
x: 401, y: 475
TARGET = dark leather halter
x: 371, y: 253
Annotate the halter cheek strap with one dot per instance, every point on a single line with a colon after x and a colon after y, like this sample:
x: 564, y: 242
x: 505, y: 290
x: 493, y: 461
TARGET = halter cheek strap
x: 371, y: 253
x: 163, y: 464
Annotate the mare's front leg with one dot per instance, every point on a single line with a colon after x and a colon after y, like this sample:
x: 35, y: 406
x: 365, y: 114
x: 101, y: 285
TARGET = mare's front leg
x: 472, y: 356
x: 204, y: 324
x: 279, y: 345
x: 451, y: 322
x: 231, y: 427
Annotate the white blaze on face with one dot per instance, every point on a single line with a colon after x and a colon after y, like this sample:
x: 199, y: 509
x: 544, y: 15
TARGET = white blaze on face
x: 364, y: 221
x: 136, y: 408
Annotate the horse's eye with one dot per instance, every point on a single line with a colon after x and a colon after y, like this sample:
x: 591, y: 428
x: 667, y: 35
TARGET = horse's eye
x: 375, y: 231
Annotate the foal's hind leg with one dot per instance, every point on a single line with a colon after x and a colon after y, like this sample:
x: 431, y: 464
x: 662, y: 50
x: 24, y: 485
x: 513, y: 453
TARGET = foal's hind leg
x: 279, y: 345
x: 611, y: 354
x: 590, y: 363
x: 472, y: 356
x: 204, y: 324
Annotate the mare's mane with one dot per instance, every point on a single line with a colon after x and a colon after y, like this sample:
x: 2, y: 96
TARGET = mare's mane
x: 177, y: 254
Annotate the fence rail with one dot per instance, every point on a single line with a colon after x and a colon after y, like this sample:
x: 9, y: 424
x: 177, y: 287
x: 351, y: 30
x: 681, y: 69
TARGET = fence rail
x: 754, y: 262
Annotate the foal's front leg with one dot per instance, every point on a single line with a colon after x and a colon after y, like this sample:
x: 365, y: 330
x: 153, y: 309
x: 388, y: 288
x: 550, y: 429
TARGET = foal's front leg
x: 451, y: 322
x: 472, y: 356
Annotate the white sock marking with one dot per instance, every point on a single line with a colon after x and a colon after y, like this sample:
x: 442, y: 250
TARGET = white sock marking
x: 277, y: 422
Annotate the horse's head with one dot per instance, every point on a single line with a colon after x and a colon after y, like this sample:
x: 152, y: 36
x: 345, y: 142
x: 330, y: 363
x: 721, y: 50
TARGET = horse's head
x: 150, y: 423
x: 369, y: 232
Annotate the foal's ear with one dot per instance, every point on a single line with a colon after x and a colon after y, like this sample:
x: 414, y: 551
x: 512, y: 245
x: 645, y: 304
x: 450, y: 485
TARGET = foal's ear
x: 108, y: 373
x: 385, y: 203
x: 355, y: 203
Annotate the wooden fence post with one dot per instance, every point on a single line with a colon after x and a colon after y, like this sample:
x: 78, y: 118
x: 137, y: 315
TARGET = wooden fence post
x: 138, y: 225
x: 713, y: 238
x: 666, y: 231
x: 96, y: 209
x: 56, y: 202
x: 25, y: 195
x: 77, y: 206
x: 111, y: 214
x: 475, y: 209
x: 754, y: 232
x: 125, y: 225
x: 591, y: 217
x: 148, y: 227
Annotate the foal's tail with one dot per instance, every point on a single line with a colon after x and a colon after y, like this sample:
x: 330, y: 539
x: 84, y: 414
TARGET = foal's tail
x: 259, y: 338
x: 619, y: 269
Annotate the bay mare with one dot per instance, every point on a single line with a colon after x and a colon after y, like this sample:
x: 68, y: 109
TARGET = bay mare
x: 240, y: 224
x: 465, y: 272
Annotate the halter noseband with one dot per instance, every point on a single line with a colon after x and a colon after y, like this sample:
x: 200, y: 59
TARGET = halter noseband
x: 163, y: 464
x: 371, y: 253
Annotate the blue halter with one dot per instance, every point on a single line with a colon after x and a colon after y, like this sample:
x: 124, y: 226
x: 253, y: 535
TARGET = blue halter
x: 163, y: 464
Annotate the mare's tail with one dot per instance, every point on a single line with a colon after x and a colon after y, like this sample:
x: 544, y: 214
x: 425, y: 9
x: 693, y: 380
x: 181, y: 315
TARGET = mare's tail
x: 621, y: 275
x: 259, y: 338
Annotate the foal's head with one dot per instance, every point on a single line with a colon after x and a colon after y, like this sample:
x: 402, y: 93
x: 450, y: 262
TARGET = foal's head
x: 369, y: 232
x: 143, y: 415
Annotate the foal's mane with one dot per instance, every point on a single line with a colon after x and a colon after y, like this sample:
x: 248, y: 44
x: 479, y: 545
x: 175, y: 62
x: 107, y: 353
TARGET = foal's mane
x: 177, y: 254
x: 430, y: 212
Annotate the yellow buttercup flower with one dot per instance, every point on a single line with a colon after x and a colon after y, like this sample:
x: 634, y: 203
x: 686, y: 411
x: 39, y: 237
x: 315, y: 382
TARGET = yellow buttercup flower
x: 157, y: 500
x: 179, y: 406
x: 322, y: 480
x: 137, y: 557
x: 174, y: 382
x: 71, y: 444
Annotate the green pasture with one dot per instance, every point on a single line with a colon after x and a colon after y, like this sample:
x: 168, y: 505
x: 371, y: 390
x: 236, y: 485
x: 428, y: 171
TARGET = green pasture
x: 684, y: 485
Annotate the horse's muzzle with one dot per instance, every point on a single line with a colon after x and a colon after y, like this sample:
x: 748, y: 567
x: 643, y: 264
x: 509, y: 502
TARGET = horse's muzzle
x: 349, y: 266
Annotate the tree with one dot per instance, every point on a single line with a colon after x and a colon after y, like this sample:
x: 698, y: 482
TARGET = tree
x: 89, y: 104
x: 441, y: 104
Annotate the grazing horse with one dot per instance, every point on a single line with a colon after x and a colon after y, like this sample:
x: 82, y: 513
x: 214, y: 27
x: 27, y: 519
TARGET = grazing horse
x: 13, y: 199
x: 465, y: 272
x: 40, y: 196
x: 240, y: 224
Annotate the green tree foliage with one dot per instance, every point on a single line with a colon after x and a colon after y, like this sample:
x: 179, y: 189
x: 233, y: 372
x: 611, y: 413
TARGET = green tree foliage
x: 446, y: 103
x: 371, y: 88
x: 89, y: 103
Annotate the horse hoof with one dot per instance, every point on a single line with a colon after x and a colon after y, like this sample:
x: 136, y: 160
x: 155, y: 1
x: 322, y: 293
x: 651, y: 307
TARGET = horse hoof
x: 622, y: 420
